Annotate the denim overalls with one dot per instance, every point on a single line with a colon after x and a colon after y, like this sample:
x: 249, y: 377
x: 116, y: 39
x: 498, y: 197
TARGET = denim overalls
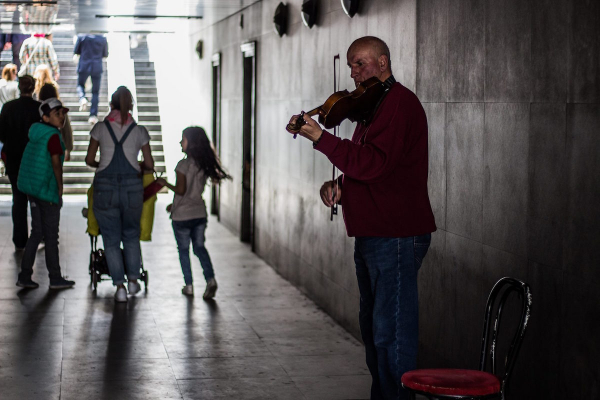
x: 118, y: 201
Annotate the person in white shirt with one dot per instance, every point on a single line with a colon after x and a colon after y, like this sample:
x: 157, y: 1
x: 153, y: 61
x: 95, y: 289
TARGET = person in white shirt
x: 9, y: 87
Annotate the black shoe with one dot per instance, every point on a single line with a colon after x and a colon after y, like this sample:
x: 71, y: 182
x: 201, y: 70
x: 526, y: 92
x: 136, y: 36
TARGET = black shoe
x: 27, y: 283
x: 61, y: 283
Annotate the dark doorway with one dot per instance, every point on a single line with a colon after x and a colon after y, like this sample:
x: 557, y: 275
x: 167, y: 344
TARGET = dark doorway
x: 216, y: 128
x: 248, y: 142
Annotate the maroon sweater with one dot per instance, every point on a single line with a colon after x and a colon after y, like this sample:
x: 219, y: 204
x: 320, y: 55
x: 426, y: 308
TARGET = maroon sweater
x: 385, y: 166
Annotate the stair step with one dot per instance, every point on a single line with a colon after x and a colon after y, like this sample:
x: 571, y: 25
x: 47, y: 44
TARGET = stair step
x: 83, y: 146
x: 147, y: 99
x: 78, y: 158
x: 146, y: 91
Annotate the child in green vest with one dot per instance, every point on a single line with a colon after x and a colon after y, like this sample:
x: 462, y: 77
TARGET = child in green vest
x: 40, y: 177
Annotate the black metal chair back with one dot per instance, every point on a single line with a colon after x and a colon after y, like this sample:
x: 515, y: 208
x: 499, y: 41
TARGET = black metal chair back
x: 505, y: 287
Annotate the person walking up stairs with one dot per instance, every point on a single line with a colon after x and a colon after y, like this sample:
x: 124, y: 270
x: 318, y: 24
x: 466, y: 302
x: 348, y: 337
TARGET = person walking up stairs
x: 91, y: 49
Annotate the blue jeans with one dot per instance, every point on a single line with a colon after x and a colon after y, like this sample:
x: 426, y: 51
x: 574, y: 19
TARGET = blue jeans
x: 96, y: 81
x: 387, y: 269
x: 45, y: 220
x: 184, y: 231
x: 118, y: 205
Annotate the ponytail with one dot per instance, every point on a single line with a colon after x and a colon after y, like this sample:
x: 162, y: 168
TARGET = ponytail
x: 122, y: 100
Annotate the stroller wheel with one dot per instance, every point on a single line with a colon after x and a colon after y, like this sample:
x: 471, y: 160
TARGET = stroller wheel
x: 94, y: 280
x: 145, y: 278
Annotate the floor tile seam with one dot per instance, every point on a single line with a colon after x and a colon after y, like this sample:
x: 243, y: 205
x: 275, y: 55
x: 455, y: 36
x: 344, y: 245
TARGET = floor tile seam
x: 232, y: 378
x: 165, y: 349
x: 109, y: 360
x: 262, y: 341
x: 104, y: 380
x: 27, y: 341
x: 326, y: 375
x: 219, y: 357
x: 62, y: 355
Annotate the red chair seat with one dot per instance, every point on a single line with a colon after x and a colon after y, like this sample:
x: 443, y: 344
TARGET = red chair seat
x: 456, y: 382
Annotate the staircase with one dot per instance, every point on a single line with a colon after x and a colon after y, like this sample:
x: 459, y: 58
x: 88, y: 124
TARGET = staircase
x: 147, y: 101
x: 77, y: 176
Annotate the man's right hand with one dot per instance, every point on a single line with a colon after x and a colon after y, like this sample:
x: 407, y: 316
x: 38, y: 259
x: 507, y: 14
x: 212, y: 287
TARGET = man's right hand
x: 331, y: 193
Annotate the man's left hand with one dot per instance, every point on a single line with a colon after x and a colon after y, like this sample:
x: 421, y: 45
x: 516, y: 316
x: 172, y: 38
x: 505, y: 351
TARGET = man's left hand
x: 311, y: 130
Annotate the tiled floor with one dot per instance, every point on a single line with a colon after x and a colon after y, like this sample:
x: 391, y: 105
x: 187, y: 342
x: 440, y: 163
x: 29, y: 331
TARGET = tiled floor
x: 260, y: 339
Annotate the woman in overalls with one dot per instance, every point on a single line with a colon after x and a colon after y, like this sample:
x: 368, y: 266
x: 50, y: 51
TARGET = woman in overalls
x: 118, y: 190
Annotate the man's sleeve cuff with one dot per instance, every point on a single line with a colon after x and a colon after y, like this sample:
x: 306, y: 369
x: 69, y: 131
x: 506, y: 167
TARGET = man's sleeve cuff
x: 326, y: 143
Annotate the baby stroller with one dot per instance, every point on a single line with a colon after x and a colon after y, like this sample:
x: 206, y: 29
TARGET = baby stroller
x: 98, y: 265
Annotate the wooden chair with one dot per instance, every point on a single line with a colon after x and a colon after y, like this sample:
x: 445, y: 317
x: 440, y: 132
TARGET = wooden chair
x: 478, y: 384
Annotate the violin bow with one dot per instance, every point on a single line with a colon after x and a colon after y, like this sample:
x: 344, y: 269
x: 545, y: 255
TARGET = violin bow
x: 334, y: 207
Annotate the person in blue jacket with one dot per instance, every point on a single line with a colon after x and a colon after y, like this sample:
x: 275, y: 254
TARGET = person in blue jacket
x: 91, y: 50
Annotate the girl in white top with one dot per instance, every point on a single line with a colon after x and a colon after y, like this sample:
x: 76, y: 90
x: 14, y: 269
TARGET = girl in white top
x: 188, y: 210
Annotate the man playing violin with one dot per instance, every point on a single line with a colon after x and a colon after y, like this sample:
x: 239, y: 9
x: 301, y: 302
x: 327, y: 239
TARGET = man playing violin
x: 384, y: 198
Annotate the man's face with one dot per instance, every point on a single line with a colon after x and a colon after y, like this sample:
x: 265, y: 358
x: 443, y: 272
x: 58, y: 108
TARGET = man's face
x: 56, y: 117
x: 363, y: 64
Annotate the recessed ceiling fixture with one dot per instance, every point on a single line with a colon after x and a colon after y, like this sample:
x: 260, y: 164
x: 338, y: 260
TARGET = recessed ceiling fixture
x: 143, y: 16
x: 280, y: 19
x: 350, y: 7
x: 309, y: 12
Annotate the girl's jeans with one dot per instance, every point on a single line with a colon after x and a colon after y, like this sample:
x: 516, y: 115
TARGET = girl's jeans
x: 386, y: 269
x: 118, y: 202
x: 184, y: 231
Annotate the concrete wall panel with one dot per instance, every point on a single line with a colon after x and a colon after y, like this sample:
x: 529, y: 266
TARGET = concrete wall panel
x: 466, y: 50
x: 436, y: 292
x: 464, y: 143
x: 547, y: 184
x: 583, y: 215
x: 436, y: 121
x: 541, y: 347
x: 463, y: 261
x: 584, y: 57
x: 432, y: 58
x: 549, y: 45
x: 580, y: 361
x: 508, y: 50
x: 505, y: 147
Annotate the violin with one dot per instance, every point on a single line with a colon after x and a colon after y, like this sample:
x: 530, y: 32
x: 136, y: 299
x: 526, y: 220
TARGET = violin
x: 358, y: 105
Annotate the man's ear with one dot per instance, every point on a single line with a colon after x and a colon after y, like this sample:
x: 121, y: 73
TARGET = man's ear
x: 382, y: 62
x: 45, y: 118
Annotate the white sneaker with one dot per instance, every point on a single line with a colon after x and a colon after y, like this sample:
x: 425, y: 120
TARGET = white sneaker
x: 83, y: 104
x: 121, y: 295
x: 211, y: 289
x: 133, y: 287
x: 93, y: 120
x: 188, y: 290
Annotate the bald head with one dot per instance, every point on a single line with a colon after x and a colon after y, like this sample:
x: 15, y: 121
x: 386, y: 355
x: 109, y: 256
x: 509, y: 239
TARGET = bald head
x: 374, y: 44
x: 369, y: 57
